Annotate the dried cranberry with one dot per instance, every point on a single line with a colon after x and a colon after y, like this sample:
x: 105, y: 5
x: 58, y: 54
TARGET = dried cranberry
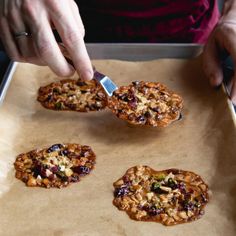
x: 153, y: 210
x: 55, y: 147
x: 80, y: 83
x: 188, y: 205
x: 133, y: 104
x: 84, y: 170
x: 39, y: 170
x: 119, y: 192
x: 43, y: 173
x: 182, y: 187
x: 126, y: 179
x: 54, y: 169
x: 51, y: 177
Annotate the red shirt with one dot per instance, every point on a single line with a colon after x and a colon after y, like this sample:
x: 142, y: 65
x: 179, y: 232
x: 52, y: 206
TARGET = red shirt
x: 169, y: 21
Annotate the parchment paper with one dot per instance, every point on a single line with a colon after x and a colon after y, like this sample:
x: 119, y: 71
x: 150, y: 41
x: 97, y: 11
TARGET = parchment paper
x: 203, y: 142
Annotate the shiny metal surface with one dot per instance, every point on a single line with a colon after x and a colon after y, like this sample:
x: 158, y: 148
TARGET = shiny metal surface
x: 142, y: 52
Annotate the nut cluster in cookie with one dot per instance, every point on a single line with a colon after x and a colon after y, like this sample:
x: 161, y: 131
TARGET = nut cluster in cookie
x: 170, y: 196
x: 146, y: 103
x: 73, y: 95
x: 56, y: 166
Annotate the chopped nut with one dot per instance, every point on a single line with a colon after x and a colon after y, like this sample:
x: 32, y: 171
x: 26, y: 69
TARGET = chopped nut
x: 203, y: 187
x: 32, y: 182
x: 46, y: 181
x: 133, y: 209
x: 68, y: 172
x: 182, y: 214
x: 166, y: 189
x: 139, y: 196
x: 119, y: 182
x: 149, y: 195
x: 141, y: 214
x: 168, y: 200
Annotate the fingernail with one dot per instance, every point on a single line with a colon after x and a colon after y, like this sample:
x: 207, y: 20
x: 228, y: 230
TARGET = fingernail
x: 86, y: 75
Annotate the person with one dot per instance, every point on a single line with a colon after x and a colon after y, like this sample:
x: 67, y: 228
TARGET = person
x: 27, y: 30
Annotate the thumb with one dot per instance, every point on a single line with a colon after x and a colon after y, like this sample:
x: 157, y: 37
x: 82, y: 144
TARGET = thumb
x: 212, y: 63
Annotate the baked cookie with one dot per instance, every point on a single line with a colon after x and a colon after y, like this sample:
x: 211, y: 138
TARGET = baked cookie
x: 170, y: 196
x: 146, y: 103
x: 73, y: 95
x: 56, y: 166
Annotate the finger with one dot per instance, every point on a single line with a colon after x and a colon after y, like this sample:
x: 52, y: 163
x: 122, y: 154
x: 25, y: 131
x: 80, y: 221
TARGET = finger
x: 212, y: 63
x: 228, y: 42
x: 72, y: 38
x: 50, y: 53
x: 8, y: 41
x: 45, y: 44
x: 28, y: 51
x: 24, y: 43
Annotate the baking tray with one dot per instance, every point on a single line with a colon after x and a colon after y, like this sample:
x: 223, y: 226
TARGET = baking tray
x: 197, y: 143
x: 6, y: 79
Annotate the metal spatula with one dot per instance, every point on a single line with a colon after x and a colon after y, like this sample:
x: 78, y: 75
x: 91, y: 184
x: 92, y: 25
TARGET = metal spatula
x: 108, y: 85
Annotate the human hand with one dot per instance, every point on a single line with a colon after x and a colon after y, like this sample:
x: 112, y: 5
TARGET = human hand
x: 37, y: 18
x: 221, y: 43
